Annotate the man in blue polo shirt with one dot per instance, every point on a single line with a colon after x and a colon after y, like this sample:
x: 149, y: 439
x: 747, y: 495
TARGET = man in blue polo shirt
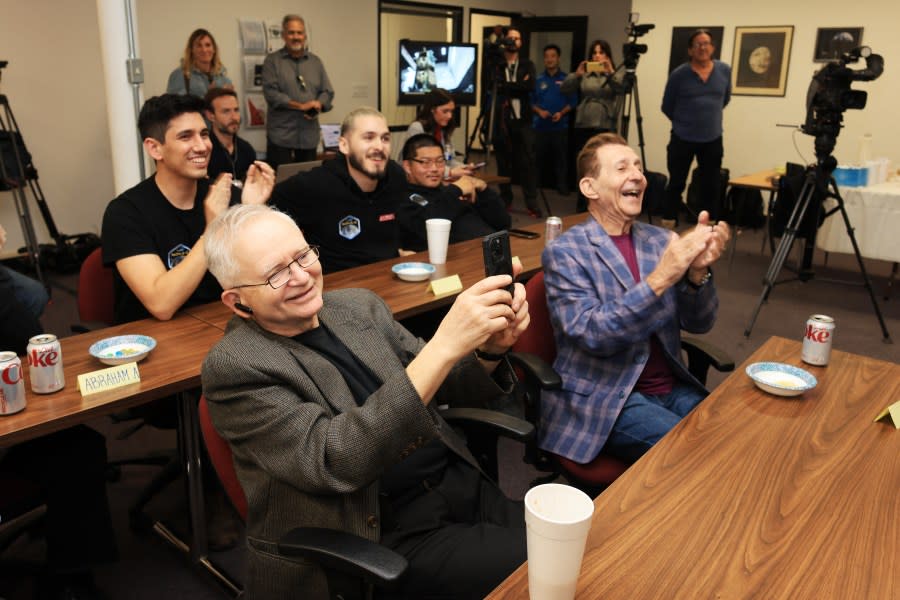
x: 695, y: 96
x: 551, y: 121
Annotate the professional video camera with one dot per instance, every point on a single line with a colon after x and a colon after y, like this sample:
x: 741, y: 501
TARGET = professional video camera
x: 631, y: 50
x: 829, y: 95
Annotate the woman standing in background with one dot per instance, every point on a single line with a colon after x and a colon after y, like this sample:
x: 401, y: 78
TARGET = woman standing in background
x: 200, y: 67
x: 435, y: 117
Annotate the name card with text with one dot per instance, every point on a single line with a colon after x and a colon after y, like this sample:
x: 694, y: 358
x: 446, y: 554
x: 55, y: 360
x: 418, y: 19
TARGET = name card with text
x: 108, y: 379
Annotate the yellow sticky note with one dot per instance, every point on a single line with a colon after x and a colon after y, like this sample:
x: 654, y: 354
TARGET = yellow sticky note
x: 108, y: 379
x: 894, y: 411
x: 446, y: 285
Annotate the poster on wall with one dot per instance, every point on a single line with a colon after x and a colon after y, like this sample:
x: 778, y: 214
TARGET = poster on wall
x: 759, y: 64
x: 253, y: 65
x: 832, y: 42
x: 255, y: 109
x: 678, y: 53
x: 273, y: 36
x: 253, y: 36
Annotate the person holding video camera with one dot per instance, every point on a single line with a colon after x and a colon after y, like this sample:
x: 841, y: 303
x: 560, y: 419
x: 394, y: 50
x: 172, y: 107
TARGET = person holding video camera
x: 297, y: 89
x: 513, y: 136
x: 695, y: 96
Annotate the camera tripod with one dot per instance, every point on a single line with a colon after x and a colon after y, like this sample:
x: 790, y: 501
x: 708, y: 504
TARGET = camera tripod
x: 630, y: 87
x: 818, y: 184
x: 488, y: 139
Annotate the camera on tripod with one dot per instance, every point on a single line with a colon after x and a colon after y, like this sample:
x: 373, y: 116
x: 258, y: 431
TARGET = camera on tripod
x: 829, y: 93
x: 631, y: 50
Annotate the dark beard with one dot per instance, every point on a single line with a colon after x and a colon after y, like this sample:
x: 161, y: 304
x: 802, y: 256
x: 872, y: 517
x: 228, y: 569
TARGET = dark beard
x: 378, y: 175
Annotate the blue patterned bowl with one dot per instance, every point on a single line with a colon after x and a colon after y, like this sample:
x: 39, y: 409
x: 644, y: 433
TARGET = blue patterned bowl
x: 413, y: 271
x: 122, y: 349
x: 781, y: 379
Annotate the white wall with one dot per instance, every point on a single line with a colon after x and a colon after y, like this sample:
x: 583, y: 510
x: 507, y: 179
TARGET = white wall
x: 55, y: 83
x: 752, y: 141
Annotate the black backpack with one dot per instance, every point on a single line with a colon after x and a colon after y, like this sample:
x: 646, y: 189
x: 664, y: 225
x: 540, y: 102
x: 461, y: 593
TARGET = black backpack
x: 745, y: 208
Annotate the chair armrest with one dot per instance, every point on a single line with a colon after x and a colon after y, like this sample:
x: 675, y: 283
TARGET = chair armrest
x: 502, y: 423
x: 346, y: 553
x: 536, y: 369
x: 712, y: 355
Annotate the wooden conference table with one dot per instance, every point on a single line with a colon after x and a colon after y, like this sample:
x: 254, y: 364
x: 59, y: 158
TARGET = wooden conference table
x: 172, y: 368
x: 754, y: 495
x: 409, y: 299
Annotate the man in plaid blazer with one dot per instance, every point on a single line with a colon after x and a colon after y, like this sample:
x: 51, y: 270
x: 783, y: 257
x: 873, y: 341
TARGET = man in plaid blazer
x: 619, y: 292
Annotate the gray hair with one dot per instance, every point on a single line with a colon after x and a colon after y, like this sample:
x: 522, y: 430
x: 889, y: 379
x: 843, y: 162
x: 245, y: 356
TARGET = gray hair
x: 288, y: 18
x: 363, y: 111
x: 220, y: 237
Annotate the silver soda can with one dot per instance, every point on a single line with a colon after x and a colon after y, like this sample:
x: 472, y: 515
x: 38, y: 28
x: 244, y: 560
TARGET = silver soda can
x: 552, y: 230
x: 817, y: 340
x: 12, y: 384
x: 45, y: 365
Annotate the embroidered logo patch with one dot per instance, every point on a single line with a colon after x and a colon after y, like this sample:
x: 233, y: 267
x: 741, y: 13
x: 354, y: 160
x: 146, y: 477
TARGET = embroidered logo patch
x: 386, y: 217
x: 177, y: 254
x: 349, y: 227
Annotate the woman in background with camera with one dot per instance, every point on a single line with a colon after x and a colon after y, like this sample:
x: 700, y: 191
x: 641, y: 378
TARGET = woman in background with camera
x: 599, y: 89
x: 435, y: 117
x: 200, y: 67
x: 600, y: 93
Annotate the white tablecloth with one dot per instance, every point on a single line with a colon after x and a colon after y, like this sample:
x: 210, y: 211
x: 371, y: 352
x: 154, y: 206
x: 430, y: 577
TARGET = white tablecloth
x: 874, y: 213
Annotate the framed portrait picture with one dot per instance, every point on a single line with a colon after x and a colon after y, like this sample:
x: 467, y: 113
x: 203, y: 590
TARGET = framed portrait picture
x: 680, y: 36
x: 759, y: 64
x: 831, y: 42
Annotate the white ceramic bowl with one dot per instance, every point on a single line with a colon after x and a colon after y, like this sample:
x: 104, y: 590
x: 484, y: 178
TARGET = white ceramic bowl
x: 413, y: 271
x: 122, y: 349
x: 781, y: 379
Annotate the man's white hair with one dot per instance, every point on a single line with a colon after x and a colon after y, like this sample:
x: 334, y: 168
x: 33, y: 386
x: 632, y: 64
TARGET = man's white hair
x: 221, y: 235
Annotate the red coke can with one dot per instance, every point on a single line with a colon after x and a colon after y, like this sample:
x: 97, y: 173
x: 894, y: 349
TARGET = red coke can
x: 45, y: 365
x: 817, y: 340
x: 12, y: 386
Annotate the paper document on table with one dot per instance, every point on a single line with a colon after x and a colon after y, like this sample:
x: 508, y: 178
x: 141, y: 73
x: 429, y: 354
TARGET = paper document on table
x: 894, y: 412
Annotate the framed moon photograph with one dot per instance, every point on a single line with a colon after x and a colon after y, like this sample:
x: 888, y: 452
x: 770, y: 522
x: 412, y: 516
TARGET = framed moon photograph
x: 832, y: 42
x: 759, y: 64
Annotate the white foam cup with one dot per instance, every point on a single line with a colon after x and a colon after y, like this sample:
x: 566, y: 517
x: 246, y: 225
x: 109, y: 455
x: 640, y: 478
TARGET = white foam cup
x: 557, y: 520
x: 438, y: 231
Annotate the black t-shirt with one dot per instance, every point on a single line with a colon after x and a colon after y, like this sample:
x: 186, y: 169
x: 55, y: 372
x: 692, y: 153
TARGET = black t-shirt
x: 352, y: 227
x: 143, y: 221
x: 428, y: 462
x: 236, y: 164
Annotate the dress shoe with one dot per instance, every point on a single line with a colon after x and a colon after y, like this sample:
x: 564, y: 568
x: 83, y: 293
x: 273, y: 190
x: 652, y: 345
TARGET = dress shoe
x: 534, y: 213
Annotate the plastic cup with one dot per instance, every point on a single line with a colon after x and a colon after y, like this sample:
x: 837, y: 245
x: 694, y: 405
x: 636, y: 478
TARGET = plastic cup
x: 557, y: 520
x: 438, y: 231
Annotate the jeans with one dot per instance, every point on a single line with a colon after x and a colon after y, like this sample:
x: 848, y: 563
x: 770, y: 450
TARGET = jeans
x: 29, y: 292
x: 644, y: 420
x: 680, y: 154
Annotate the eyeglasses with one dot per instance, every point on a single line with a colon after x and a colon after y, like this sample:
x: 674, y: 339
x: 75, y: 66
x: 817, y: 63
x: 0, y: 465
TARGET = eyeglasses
x: 702, y: 44
x: 305, y: 259
x: 430, y: 162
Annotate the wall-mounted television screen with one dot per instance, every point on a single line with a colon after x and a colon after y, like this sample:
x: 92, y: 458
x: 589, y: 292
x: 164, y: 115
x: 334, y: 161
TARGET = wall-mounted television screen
x: 428, y: 65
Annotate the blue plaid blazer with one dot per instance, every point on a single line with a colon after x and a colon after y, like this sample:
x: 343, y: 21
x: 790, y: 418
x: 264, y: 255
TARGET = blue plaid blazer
x: 602, y: 322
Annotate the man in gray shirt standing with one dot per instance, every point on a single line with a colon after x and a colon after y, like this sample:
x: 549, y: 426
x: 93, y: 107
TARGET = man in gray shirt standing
x: 297, y: 89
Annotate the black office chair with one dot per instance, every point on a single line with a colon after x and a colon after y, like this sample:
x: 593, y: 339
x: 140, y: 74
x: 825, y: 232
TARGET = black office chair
x: 354, y: 566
